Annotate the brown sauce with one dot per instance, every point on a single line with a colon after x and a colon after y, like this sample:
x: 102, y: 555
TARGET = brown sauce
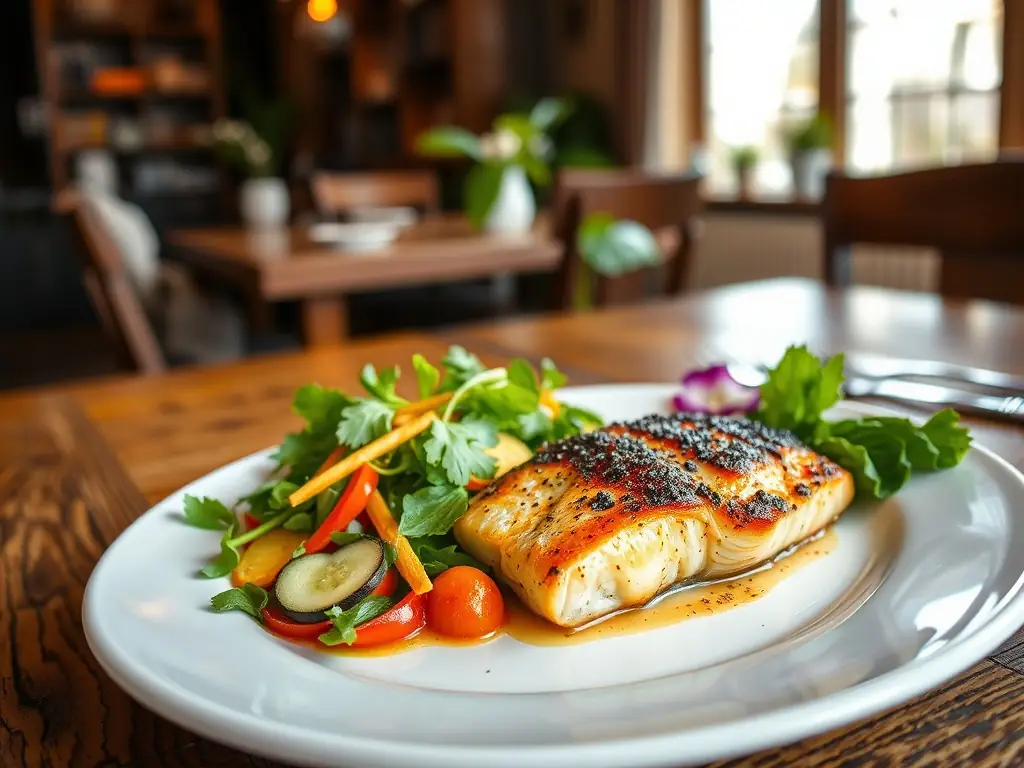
x: 684, y: 602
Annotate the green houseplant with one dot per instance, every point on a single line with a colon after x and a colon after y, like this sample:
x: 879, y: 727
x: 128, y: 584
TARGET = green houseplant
x: 810, y: 155
x: 517, y: 150
x: 744, y: 161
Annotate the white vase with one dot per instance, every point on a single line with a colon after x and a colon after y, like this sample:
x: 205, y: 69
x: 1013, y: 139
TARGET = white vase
x: 514, y: 208
x: 265, y: 203
x: 810, y: 168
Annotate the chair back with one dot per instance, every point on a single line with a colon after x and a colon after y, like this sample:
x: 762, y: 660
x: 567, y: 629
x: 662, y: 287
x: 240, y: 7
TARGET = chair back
x: 973, y: 215
x: 112, y: 291
x: 667, y: 204
x: 335, y: 193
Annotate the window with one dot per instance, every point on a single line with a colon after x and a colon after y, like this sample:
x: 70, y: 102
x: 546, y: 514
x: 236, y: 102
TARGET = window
x: 922, y: 82
x: 762, y: 77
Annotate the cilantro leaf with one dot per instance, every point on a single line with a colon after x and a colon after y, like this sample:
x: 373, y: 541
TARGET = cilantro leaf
x: 521, y: 373
x: 550, y: 376
x: 303, y: 521
x: 228, y: 558
x: 279, y: 494
x: 432, y: 510
x: 249, y: 599
x: 382, y: 386
x: 459, y: 367
x: 437, y: 556
x: 345, y: 622
x: 364, y: 422
x: 534, y: 424
x: 316, y: 404
x: 459, y: 449
x: 427, y: 376
x: 341, y: 538
x: 799, y: 390
x: 208, y: 514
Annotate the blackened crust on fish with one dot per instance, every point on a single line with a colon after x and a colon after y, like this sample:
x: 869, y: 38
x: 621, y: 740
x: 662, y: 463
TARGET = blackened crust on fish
x: 762, y: 506
x: 735, y: 445
x: 625, y: 462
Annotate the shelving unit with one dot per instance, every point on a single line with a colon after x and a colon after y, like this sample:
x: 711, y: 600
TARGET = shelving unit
x: 140, y: 80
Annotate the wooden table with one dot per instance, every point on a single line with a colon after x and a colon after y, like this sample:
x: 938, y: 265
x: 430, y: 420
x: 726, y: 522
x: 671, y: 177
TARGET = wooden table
x: 77, y: 464
x: 280, y: 265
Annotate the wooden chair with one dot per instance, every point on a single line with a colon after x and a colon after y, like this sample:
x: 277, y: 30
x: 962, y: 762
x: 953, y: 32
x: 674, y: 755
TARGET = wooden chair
x: 972, y: 214
x: 112, y: 293
x: 335, y: 193
x: 666, y: 204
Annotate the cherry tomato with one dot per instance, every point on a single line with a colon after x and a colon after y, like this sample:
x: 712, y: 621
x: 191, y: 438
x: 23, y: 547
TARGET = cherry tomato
x: 352, y: 502
x: 465, y: 602
x: 386, y: 588
x: 405, y: 618
x: 280, y: 624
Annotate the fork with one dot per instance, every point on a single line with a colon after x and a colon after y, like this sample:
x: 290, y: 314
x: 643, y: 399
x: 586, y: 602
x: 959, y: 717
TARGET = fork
x: 867, y: 365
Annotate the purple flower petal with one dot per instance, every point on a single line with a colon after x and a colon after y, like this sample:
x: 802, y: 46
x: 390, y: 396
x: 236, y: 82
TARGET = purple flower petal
x: 714, y: 391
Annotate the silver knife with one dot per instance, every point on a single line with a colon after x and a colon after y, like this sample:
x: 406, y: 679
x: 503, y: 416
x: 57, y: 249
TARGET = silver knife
x: 1009, y: 408
x: 880, y: 366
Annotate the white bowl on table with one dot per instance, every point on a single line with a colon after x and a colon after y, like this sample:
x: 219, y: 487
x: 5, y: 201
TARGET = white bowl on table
x: 354, y: 236
x: 403, y: 216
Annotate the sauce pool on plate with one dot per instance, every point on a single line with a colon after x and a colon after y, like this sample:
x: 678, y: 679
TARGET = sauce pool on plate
x: 686, y: 602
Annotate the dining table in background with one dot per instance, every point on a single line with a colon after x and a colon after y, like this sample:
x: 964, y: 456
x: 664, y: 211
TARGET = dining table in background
x: 277, y: 265
x: 79, y: 463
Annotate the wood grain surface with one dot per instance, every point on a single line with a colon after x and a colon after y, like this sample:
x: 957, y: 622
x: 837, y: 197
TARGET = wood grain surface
x: 77, y: 464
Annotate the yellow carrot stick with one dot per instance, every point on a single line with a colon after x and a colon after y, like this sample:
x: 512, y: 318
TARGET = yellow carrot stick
x: 412, y: 410
x: 405, y: 559
x: 381, y: 446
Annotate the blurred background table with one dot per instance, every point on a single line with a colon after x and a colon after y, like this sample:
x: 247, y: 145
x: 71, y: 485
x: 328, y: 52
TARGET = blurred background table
x: 278, y: 265
x: 80, y: 463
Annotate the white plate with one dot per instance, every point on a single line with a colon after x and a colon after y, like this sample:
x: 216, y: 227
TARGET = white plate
x: 361, y: 236
x: 917, y: 590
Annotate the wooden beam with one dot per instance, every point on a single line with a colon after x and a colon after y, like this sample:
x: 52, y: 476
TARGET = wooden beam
x: 832, y: 72
x: 1011, y: 94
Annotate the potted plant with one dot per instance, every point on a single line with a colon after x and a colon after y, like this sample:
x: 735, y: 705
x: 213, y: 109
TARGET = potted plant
x: 255, y: 147
x: 744, y: 161
x: 498, y: 196
x: 810, y: 156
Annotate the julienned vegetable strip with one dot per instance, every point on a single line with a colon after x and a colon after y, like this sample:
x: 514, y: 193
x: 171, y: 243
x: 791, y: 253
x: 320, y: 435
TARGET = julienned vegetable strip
x: 406, y: 413
x: 334, y: 458
x: 369, y: 452
x: 352, y: 502
x: 405, y: 559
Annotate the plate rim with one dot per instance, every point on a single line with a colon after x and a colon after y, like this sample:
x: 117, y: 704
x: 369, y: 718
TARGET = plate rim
x: 716, y: 741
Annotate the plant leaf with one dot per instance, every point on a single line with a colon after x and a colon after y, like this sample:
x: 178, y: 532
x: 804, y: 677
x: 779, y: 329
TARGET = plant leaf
x: 548, y: 113
x: 228, y: 558
x: 208, y: 514
x: 427, y: 376
x: 345, y: 622
x: 250, y: 599
x: 432, y: 510
x: 438, y: 555
x: 449, y: 141
x: 459, y: 367
x: 482, y: 185
x: 382, y: 386
x: 614, y: 247
x: 459, y: 449
x: 364, y: 422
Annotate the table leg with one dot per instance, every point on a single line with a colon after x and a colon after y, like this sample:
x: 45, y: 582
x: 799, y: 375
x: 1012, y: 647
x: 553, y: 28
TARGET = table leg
x: 324, y: 321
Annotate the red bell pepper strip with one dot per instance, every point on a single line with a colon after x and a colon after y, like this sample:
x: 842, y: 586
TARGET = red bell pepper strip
x: 404, y: 619
x: 350, y: 504
x: 280, y: 624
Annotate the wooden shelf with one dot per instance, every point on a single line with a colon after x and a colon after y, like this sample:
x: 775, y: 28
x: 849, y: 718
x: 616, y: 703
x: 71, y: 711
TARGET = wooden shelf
x: 763, y: 206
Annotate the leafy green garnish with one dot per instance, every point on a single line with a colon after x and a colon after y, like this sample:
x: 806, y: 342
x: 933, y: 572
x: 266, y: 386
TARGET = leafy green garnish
x: 341, y: 538
x: 432, y: 510
x: 427, y: 376
x: 303, y: 452
x: 249, y: 599
x: 799, y: 390
x: 382, y: 386
x: 459, y: 449
x: 228, y: 558
x: 207, y: 513
x: 364, y: 422
x: 551, y: 377
x: 300, y: 522
x: 345, y: 622
x: 438, y: 553
x: 459, y: 367
x: 880, y: 452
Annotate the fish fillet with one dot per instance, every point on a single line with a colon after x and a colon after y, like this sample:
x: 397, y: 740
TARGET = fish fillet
x: 611, y: 518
